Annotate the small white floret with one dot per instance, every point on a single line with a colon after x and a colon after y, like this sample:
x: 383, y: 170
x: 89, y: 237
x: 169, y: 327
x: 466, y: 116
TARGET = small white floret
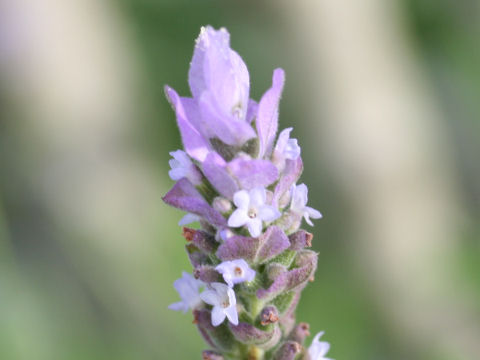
x: 183, y: 167
x: 236, y: 271
x: 188, y: 288
x: 252, y: 210
x: 318, y: 349
x: 224, y: 303
x: 299, y: 204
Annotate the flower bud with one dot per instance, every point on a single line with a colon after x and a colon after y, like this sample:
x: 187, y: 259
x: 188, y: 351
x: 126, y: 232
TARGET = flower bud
x: 288, y: 351
x: 300, y: 332
x: 201, y: 239
x: 269, y: 315
x: 300, y: 240
x: 219, y: 337
x: 195, y: 256
x: 207, y: 274
x: 249, y: 334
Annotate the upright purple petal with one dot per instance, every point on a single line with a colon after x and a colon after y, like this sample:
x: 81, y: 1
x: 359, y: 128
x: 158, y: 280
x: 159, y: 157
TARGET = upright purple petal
x: 220, y: 83
x: 267, y: 116
x: 225, y: 126
x: 214, y: 169
x: 215, y: 67
x: 194, y: 143
x: 184, y: 196
x: 253, y: 173
x: 252, y: 110
x: 249, y: 334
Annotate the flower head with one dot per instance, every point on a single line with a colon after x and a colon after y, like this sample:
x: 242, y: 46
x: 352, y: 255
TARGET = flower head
x: 252, y: 210
x: 182, y: 167
x: 235, y: 271
x: 224, y: 303
x: 188, y: 289
x: 318, y: 349
x: 286, y: 147
x: 299, y: 204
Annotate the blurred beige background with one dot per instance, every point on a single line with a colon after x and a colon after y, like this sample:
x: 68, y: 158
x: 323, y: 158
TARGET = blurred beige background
x: 384, y: 99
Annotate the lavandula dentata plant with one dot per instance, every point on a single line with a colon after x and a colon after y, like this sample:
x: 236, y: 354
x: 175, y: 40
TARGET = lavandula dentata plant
x: 238, y: 179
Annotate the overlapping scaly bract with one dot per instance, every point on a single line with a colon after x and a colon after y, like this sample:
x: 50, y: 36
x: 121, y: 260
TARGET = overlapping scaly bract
x: 237, y: 178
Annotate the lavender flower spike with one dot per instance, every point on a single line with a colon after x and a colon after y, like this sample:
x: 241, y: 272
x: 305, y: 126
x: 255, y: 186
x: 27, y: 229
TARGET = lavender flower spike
x: 236, y: 177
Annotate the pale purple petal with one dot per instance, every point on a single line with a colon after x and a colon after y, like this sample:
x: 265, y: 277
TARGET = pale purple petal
x: 226, y: 127
x: 318, y: 349
x: 249, y: 274
x: 283, y: 140
x: 252, y: 110
x: 217, y: 175
x: 220, y: 84
x: 253, y: 173
x: 241, y: 199
x: 188, y: 219
x: 293, y: 170
x: 185, y: 196
x: 255, y: 227
x: 177, y: 173
x: 258, y: 196
x: 218, y: 315
x: 232, y: 300
x: 232, y: 314
x: 311, y: 213
x: 238, y: 218
x: 194, y: 143
x: 268, y: 213
x: 179, y: 306
x: 267, y: 116
x: 299, y: 197
x: 218, y: 69
x: 210, y: 297
x: 188, y: 289
x: 292, y: 150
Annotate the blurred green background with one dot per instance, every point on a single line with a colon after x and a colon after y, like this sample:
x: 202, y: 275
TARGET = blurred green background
x: 384, y: 98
